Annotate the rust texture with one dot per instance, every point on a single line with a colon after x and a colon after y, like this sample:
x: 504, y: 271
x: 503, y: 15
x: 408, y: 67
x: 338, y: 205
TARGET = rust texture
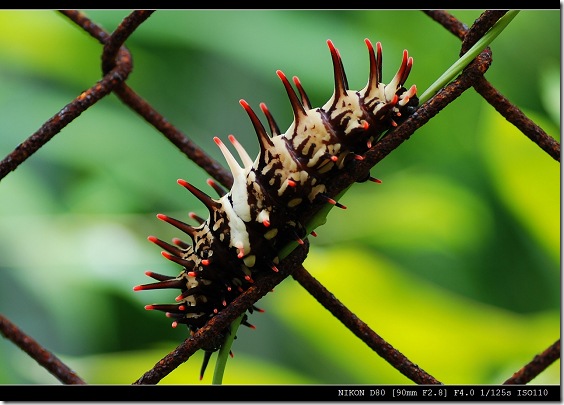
x: 223, y: 319
x: 536, y: 366
x: 403, y: 132
x: 110, y: 58
x: 502, y: 105
x: 45, y: 358
x: 482, y: 24
x: 362, y: 330
x: 65, y: 116
x: 116, y: 67
x: 514, y: 115
x: 449, y: 22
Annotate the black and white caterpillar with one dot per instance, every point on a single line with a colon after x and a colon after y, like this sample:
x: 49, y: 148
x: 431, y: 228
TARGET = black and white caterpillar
x: 264, y: 210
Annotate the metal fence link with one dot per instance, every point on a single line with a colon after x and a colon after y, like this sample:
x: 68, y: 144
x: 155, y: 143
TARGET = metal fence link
x: 116, y: 67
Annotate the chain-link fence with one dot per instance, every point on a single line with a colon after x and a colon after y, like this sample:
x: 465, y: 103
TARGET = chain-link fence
x: 117, y: 67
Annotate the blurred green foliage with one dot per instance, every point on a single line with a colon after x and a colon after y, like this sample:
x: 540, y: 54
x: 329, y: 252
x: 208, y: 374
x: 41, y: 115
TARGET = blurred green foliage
x: 454, y: 259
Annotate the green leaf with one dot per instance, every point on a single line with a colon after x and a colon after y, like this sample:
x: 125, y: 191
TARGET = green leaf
x: 127, y: 367
x: 526, y: 178
x: 410, y: 210
x: 457, y: 340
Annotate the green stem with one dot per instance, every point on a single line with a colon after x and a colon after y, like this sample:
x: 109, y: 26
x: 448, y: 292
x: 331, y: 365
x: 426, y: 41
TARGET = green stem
x: 317, y: 220
x: 223, y: 354
x: 321, y: 216
x: 469, y: 56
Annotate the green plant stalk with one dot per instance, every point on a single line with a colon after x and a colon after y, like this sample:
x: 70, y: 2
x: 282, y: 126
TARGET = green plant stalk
x: 321, y: 216
x: 469, y: 56
x: 223, y: 354
x: 318, y: 219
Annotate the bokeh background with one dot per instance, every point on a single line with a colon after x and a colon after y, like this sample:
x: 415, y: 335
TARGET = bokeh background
x: 454, y: 259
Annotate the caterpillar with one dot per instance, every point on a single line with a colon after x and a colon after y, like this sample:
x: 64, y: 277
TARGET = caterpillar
x: 264, y: 209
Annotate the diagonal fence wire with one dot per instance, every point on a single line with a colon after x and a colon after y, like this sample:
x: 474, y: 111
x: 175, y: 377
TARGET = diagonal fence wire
x: 183, y: 352
x: 111, y: 58
x: 536, y: 366
x: 116, y: 66
x: 37, y: 352
x: 502, y: 105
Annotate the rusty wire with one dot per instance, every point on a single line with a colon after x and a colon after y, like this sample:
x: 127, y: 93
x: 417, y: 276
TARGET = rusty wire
x: 116, y: 66
x: 362, y: 330
x: 37, y: 352
x: 262, y: 285
x: 536, y: 366
x: 502, y: 105
x: 110, y: 58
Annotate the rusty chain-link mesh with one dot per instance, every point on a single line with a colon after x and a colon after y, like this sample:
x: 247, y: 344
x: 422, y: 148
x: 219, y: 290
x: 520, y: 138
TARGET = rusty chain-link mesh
x: 116, y: 65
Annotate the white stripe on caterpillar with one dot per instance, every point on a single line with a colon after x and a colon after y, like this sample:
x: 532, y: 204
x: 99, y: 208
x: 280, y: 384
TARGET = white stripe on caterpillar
x: 264, y: 209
